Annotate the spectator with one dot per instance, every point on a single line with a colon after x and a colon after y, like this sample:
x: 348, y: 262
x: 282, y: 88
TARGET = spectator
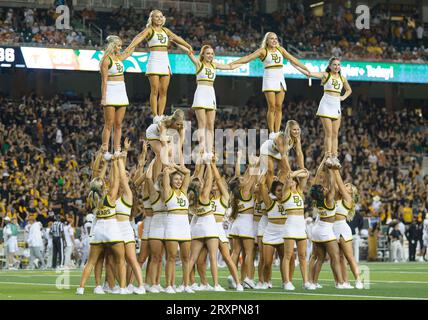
x: 35, y: 243
x: 10, y: 237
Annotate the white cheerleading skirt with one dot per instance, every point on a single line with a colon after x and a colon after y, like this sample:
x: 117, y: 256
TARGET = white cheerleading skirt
x: 341, y: 228
x: 177, y: 227
x: 116, y: 94
x: 329, y: 107
x: 205, y: 227
x: 262, y: 226
x: 323, y: 232
x: 274, y: 234
x: 152, y: 132
x: 12, y: 244
x: 221, y: 232
x: 204, y: 98
x: 146, y: 228
x: 157, y: 226
x: 106, y: 231
x: 158, y: 64
x: 127, y: 231
x: 243, y: 226
x: 273, y: 80
x: 295, y: 227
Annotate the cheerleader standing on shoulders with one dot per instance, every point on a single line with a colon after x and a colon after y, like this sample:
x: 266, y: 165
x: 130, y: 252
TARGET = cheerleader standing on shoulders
x: 158, y: 68
x: 274, y: 87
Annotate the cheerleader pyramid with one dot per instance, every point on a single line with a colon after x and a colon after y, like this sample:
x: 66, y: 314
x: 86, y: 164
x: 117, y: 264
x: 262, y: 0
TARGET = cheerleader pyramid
x: 194, y: 215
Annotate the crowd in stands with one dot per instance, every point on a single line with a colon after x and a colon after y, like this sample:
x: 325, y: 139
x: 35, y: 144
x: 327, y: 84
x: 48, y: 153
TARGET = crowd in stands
x: 238, y: 31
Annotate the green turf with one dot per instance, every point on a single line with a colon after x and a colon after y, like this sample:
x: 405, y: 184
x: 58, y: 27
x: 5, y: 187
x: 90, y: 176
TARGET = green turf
x: 387, y: 281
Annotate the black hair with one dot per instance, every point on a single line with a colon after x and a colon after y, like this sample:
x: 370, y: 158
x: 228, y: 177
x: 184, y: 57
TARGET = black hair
x: 317, y: 194
x: 275, y: 184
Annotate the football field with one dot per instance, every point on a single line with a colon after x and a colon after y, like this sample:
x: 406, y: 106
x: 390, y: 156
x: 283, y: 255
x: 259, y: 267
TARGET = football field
x: 385, y: 281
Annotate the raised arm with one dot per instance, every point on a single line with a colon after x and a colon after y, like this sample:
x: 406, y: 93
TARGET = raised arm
x: 229, y: 66
x: 342, y: 189
x: 220, y: 183
x: 319, y: 175
x: 300, y: 159
x: 264, y: 191
x: 166, y: 182
x: 114, y: 187
x: 208, y: 183
x: 96, y: 164
x: 127, y: 193
x: 292, y: 59
x: 186, y: 179
x: 331, y: 190
x: 259, y: 53
x: 238, y: 164
x: 177, y: 39
x: 347, y: 88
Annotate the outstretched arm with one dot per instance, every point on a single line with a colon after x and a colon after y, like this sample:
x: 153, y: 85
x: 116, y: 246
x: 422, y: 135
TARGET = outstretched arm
x: 177, y: 39
x: 292, y: 59
x: 229, y: 66
x: 140, y: 37
x: 190, y: 54
x: 256, y: 54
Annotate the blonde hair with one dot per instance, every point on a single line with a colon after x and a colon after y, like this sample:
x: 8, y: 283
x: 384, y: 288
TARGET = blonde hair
x: 97, y: 193
x: 201, y: 54
x: 264, y: 41
x: 178, y: 115
x: 112, y: 42
x: 149, y: 20
x: 289, y: 142
x: 355, y: 198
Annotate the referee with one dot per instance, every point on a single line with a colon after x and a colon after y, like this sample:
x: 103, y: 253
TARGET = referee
x: 57, y: 232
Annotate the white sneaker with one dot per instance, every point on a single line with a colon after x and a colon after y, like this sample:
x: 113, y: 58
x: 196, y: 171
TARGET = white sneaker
x: 117, y: 153
x: 157, y: 119
x: 347, y: 285
x: 259, y: 285
x: 318, y: 286
x: 115, y: 290
x: 123, y: 291
x: 187, y: 289
x: 231, y: 282
x: 340, y: 286
x: 130, y: 288
x: 80, y: 291
x: 195, y: 287
x: 273, y: 135
x: 169, y: 289
x: 99, y: 290
x: 250, y: 283
x: 219, y: 288
x: 140, y: 290
x: 107, y: 156
x: 329, y: 162
x: 336, y: 163
x: 359, y: 285
x: 106, y: 288
x: 160, y: 288
x: 289, y: 286
x: 153, y: 289
x: 207, y: 287
x: 146, y: 287
x: 269, y: 284
x: 179, y: 289
x: 309, y: 286
x: 239, y: 288
x: 265, y: 286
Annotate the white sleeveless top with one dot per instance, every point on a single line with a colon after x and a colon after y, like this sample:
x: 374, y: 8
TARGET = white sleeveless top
x: 326, y: 212
x: 107, y: 210
x: 147, y: 204
x: 218, y: 207
x: 159, y: 205
x: 115, y: 68
x: 158, y: 39
x: 123, y: 208
x: 244, y: 205
x: 177, y: 203
x: 206, y: 73
x: 203, y: 209
x: 333, y: 84
x: 341, y: 208
x: 276, y: 210
x: 273, y: 59
x: 294, y: 201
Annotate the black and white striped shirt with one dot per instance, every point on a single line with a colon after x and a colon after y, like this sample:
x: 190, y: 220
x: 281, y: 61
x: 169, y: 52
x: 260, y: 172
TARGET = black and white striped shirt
x: 57, y: 229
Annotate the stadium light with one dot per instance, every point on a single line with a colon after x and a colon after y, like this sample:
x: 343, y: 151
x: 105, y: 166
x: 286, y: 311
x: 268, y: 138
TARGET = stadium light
x: 316, y: 4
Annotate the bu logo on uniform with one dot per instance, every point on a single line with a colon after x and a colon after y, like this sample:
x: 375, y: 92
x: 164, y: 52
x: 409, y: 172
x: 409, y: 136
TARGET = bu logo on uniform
x: 161, y: 38
x: 335, y: 84
x: 119, y: 67
x: 276, y: 58
x: 209, y: 73
x: 181, y: 202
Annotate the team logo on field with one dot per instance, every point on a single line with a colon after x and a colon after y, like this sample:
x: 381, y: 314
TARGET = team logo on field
x: 276, y: 58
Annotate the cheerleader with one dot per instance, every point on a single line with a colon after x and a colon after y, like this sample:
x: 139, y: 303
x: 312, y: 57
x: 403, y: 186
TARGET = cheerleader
x: 113, y: 92
x: 345, y: 204
x: 156, y: 134
x: 106, y: 229
x: 261, y: 220
x: 272, y: 55
x: 204, y: 101
x: 242, y: 233
x: 329, y: 109
x: 322, y: 232
x: 175, y: 183
x: 295, y: 226
x: 158, y: 69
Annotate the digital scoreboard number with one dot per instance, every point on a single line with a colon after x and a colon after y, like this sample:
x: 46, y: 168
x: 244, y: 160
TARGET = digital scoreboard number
x: 11, y: 57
